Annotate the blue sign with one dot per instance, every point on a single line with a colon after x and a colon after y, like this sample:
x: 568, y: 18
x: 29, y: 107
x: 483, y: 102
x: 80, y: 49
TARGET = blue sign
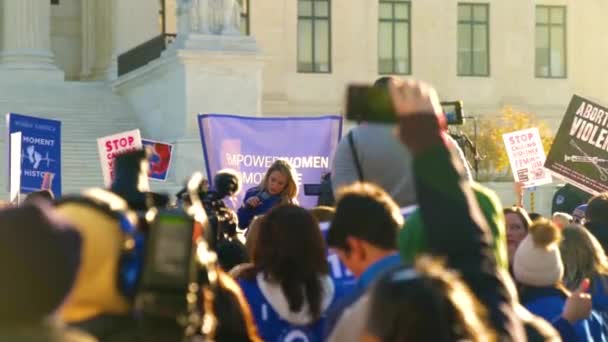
x: 40, y: 152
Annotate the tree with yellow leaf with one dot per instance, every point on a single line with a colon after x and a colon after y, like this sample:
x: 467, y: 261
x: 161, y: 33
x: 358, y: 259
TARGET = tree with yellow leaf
x: 494, y: 162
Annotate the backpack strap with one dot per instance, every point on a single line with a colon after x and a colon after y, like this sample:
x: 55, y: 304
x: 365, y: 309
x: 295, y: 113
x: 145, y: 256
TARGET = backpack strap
x: 353, y: 149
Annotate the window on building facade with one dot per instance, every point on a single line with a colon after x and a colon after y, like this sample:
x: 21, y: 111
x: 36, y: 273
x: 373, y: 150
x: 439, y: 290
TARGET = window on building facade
x: 551, y: 41
x: 54, y: 2
x: 394, y: 39
x: 245, y: 15
x: 473, y: 39
x: 314, y: 36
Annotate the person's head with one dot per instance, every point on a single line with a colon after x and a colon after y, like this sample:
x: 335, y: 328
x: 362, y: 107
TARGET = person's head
x: 424, y: 303
x: 537, y: 261
x: 383, y: 82
x: 561, y: 219
x: 289, y: 250
x: 517, y: 223
x: 39, y: 258
x: 280, y: 179
x: 96, y: 291
x: 535, y: 216
x: 365, y: 226
x: 597, y: 209
x: 582, y: 255
x: 41, y: 195
x: 323, y: 213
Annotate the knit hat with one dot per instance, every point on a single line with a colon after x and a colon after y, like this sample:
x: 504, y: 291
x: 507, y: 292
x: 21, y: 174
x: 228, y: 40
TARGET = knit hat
x: 537, y: 261
x: 412, y: 238
x: 39, y: 259
x: 96, y: 290
x: 578, y: 215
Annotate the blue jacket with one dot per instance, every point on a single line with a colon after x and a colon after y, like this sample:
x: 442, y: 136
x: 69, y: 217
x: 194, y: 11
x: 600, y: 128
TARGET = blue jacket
x: 274, y: 320
x: 246, y: 213
x: 354, y: 293
x: 599, y: 294
x: 548, y: 303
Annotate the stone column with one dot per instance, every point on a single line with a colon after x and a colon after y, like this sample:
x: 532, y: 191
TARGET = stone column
x: 88, y: 38
x: 26, y: 38
x: 98, y: 40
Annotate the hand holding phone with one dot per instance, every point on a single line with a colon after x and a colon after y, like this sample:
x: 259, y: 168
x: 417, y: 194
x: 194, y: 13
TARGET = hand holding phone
x: 414, y: 97
x: 253, y: 201
x: 374, y: 104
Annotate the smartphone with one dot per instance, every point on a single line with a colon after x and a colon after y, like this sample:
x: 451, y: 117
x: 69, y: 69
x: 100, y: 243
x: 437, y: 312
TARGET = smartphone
x: 374, y: 104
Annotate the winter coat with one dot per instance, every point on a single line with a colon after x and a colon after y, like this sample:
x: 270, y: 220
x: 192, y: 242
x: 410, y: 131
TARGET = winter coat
x: 548, y: 303
x: 274, y: 320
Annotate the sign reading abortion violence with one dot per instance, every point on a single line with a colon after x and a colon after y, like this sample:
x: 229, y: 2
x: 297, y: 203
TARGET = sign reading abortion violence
x: 579, y: 154
x: 40, y: 152
x: 160, y: 159
x: 527, y: 157
x: 111, y: 146
x: 249, y: 145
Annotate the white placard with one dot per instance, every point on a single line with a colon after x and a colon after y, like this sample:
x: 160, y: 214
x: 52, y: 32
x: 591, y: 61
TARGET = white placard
x: 113, y: 145
x: 15, y: 172
x: 527, y: 157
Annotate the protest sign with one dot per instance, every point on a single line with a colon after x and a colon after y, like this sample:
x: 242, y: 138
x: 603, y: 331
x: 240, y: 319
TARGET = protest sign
x: 160, y: 159
x: 579, y: 154
x: 15, y: 167
x: 111, y: 146
x: 527, y: 157
x: 249, y: 145
x: 40, y: 152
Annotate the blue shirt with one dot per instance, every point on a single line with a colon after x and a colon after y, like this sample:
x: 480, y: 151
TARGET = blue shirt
x: 363, y: 283
x: 246, y: 213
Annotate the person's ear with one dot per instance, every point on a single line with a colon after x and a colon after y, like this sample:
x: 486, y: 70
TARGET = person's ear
x: 356, y: 248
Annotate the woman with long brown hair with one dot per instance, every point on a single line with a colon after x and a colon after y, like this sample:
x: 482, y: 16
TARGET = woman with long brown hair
x: 584, y: 258
x: 287, y: 285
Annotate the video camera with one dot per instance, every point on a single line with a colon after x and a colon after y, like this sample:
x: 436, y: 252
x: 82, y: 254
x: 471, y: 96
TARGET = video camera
x: 222, y: 220
x: 180, y: 280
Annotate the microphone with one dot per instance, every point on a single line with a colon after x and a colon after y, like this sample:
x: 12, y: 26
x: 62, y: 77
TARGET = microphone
x: 263, y: 195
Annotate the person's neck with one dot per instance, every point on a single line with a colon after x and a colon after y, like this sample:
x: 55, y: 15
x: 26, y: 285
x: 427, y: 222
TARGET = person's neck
x: 373, y: 255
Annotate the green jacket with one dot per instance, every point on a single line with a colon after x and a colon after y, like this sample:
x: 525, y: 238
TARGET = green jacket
x: 412, y: 240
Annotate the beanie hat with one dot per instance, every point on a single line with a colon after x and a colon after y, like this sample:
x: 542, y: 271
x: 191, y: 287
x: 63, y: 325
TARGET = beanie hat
x: 39, y: 258
x: 537, y: 261
x: 96, y: 290
x: 412, y: 238
x: 579, y: 213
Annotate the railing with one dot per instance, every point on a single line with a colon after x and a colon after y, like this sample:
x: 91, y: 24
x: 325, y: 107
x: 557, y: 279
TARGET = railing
x: 143, y: 53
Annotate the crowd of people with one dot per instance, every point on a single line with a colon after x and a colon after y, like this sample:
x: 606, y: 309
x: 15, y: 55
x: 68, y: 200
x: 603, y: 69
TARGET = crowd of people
x: 407, y: 248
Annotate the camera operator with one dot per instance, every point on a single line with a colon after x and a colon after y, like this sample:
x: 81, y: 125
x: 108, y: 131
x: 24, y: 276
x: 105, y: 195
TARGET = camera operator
x: 121, y: 293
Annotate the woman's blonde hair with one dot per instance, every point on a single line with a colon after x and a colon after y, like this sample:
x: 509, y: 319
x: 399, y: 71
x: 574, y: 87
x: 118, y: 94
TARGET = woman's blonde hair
x: 289, y: 194
x: 582, y: 255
